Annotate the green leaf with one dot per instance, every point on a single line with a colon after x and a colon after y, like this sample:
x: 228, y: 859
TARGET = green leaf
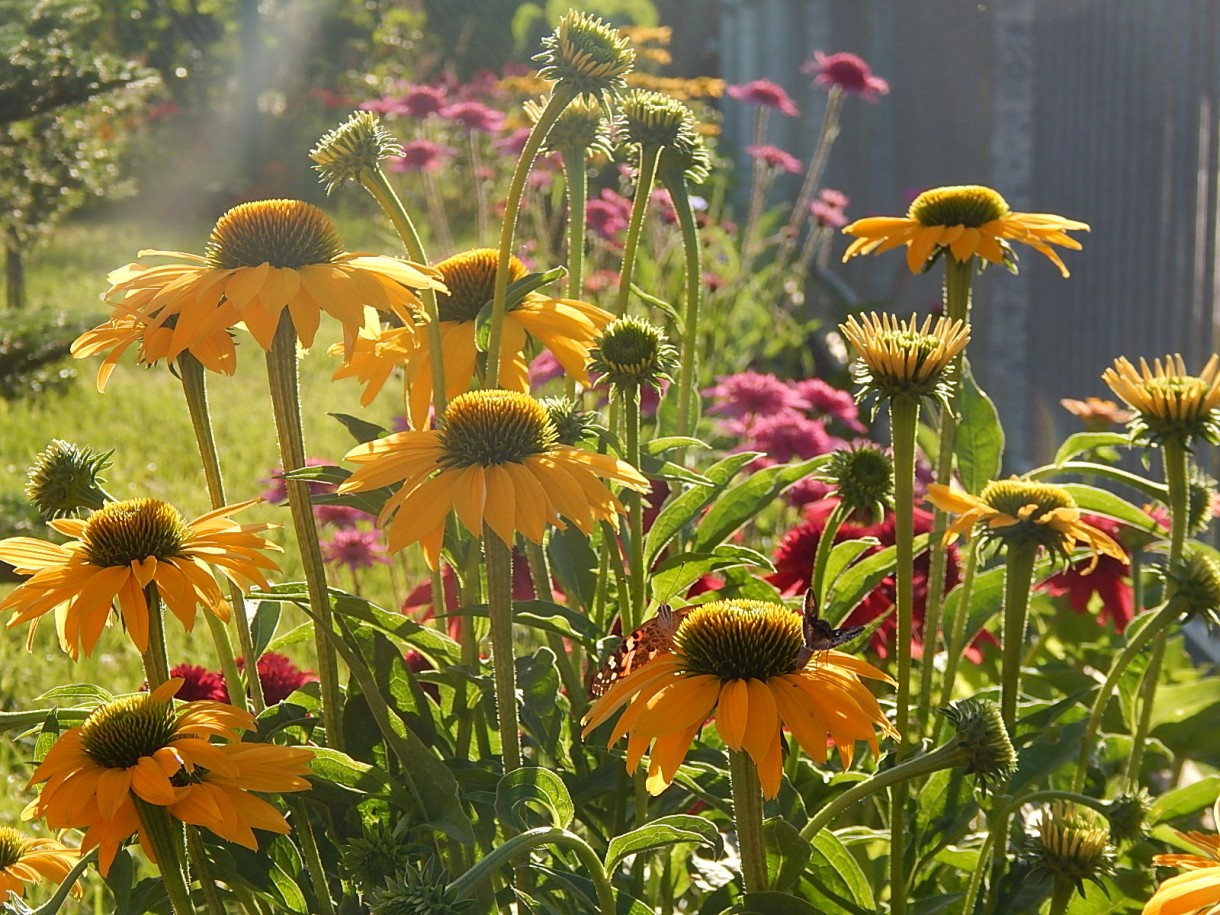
x: 677, y: 573
x: 574, y: 564
x: 433, y: 644
x: 787, y: 853
x: 544, y: 708
x: 1149, y: 489
x: 740, y: 503
x: 262, y: 627
x: 361, y: 430
x: 1081, y: 442
x: 338, y: 768
x: 858, y: 581
x: 549, y: 616
x: 660, y: 445
x: 769, y: 902
x: 1182, y: 802
x: 841, y: 556
x: 1101, y: 502
x: 683, y: 510
x: 77, y: 694
x: 978, y: 444
x: 676, y: 829
x: 849, y: 883
x: 534, y: 786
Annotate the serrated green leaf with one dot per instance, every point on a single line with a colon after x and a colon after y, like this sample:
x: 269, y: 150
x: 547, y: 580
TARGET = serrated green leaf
x: 676, y: 829
x: 829, y: 853
x: 787, y: 853
x: 78, y: 694
x: 978, y: 443
x: 537, y: 787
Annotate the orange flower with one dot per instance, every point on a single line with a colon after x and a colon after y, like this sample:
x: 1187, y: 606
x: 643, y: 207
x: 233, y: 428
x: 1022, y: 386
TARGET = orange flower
x: 1196, y: 892
x: 25, y: 860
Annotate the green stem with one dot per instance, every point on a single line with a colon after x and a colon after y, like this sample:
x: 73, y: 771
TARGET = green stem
x: 813, y: 174
x: 649, y: 157
x: 199, y: 864
x: 748, y: 818
x: 633, y: 611
x: 956, y: 643
x: 468, y: 595
x: 970, y: 902
x: 165, y: 838
x: 692, y: 250
x: 817, y: 574
x: 576, y: 176
x: 559, y: 99
x: 313, y: 859
x: 500, y: 611
x: 1061, y: 896
x: 465, y: 885
x: 155, y: 656
x: 1018, y: 578
x: 1147, y: 696
x: 286, y: 407
x: 1135, y: 644
x: 958, y: 277
x: 946, y: 757
x: 376, y: 183
x: 569, y: 670
x: 194, y: 388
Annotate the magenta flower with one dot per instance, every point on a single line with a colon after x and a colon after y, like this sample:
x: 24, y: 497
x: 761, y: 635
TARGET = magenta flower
x: 421, y: 156
x: 355, y: 549
x: 831, y: 401
x: 827, y: 215
x: 474, y: 116
x: 834, y: 198
x: 766, y: 94
x: 775, y: 157
x: 512, y: 144
x: 279, y: 676
x: 847, y: 71
x: 784, y: 437
x: 421, y: 101
x: 342, y: 516
x: 200, y: 683
x: 608, y: 215
x: 544, y: 368
x: 748, y: 395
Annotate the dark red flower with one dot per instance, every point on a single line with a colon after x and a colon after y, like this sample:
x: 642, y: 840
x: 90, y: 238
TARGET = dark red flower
x: 279, y: 676
x: 200, y: 683
x: 1110, y: 580
x: 766, y: 94
x: 847, y: 71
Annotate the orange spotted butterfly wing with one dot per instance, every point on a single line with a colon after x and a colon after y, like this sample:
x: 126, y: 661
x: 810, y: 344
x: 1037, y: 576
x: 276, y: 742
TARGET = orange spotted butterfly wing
x: 654, y: 637
x: 819, y: 634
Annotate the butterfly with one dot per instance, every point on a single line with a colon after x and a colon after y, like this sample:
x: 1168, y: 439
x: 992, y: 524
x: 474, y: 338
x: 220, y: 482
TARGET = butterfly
x: 654, y: 637
x: 819, y: 634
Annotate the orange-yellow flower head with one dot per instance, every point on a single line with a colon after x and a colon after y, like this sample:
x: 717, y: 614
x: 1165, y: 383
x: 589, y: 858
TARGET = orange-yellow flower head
x: 905, y: 359
x: 191, y: 761
x: 1024, y: 512
x: 1196, y: 892
x: 740, y: 662
x: 964, y: 220
x: 26, y: 860
x: 1169, y: 404
x: 496, y: 461
x: 118, y: 554
x: 261, y: 259
x: 566, y: 327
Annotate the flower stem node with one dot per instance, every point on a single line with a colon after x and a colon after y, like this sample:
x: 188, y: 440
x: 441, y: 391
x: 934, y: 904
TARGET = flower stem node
x: 863, y: 478
x: 587, y: 56
x: 66, y: 478
x: 981, y: 733
x: 631, y: 353
x: 572, y: 424
x: 1128, y: 816
x: 1071, y: 843
x: 352, y: 149
x: 905, y: 359
x: 1169, y: 404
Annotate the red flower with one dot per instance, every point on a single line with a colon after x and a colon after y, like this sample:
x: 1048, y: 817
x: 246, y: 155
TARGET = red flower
x: 793, y: 560
x: 199, y: 683
x: 279, y: 676
x: 766, y: 94
x: 847, y: 71
x: 1110, y: 580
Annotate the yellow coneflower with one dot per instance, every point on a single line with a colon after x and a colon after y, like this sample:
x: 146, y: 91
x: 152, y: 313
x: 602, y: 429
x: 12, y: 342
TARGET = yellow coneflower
x: 26, y: 860
x: 898, y: 358
x: 1196, y: 892
x: 374, y: 357
x: 1026, y: 511
x: 1170, y: 404
x: 496, y: 460
x: 122, y: 549
x: 566, y: 327
x: 214, y: 350
x: 964, y: 220
x: 262, y: 258
x: 138, y: 749
x: 740, y: 662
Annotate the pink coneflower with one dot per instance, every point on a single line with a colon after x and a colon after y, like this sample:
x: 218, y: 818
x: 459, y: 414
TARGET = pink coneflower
x: 383, y: 105
x: 807, y: 491
x: 421, y: 101
x: 753, y: 394
x: 474, y: 116
x: 601, y: 281
x: 847, y: 71
x: 342, y: 516
x: 775, y: 157
x: 766, y: 94
x: 831, y: 401
x: 421, y: 156
x: 279, y: 676
x: 355, y: 549
x: 827, y: 214
x: 277, y: 492
x: 199, y: 683
x: 513, y: 143
x: 787, y: 436
x: 608, y: 215
x: 544, y: 368
x: 660, y: 200
x: 834, y: 198
x: 329, y: 99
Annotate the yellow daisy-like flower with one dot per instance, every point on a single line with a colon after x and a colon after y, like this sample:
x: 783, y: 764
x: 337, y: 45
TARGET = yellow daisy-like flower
x: 140, y: 748
x: 566, y: 327
x: 965, y: 220
x: 374, y: 357
x: 122, y: 550
x: 262, y: 258
x: 1170, y: 405
x: 898, y: 358
x: 1024, y: 511
x: 740, y: 662
x: 1096, y: 413
x: 496, y: 460
x: 25, y: 860
x: 1196, y: 892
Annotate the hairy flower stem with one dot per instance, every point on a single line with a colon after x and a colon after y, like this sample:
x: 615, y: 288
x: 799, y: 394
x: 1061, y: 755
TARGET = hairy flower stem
x: 165, y: 836
x: 155, y: 656
x: 904, y: 417
x: 561, y: 96
x: 487, y: 866
x: 958, y: 277
x: 499, y: 559
x: 313, y: 859
x: 199, y: 865
x: 826, y: 542
x: 194, y: 388
x: 568, y: 665
x: 286, y: 407
x: 576, y: 180
x: 1018, y: 578
x: 650, y: 156
x: 692, y: 250
x: 748, y: 818
x: 1174, y: 458
x: 956, y: 642
x: 1061, y: 897
x: 633, y: 612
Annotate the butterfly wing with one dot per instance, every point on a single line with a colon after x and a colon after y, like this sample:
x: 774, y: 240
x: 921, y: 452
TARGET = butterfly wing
x: 654, y: 637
